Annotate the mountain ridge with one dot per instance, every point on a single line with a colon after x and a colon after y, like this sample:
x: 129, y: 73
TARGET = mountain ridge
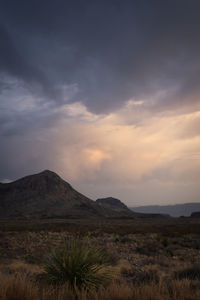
x: 47, y: 195
x: 175, y: 210
x: 43, y: 194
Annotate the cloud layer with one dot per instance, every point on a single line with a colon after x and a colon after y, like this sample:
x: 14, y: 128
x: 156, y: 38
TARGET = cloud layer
x: 106, y: 93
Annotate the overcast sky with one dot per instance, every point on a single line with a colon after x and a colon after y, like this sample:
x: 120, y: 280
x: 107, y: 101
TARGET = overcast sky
x: 105, y: 93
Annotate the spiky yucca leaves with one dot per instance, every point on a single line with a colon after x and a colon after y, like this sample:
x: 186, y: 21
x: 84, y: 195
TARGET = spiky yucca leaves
x: 80, y: 265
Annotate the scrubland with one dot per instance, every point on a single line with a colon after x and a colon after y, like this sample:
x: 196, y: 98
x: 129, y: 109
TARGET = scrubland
x: 147, y: 260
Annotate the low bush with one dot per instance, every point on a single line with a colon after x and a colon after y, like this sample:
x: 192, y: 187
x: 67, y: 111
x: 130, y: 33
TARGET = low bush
x: 80, y: 265
x: 29, y: 259
x: 191, y: 273
x: 165, y: 242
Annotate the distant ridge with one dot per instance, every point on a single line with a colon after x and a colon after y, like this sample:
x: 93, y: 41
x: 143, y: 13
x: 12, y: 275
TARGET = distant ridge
x: 175, y: 210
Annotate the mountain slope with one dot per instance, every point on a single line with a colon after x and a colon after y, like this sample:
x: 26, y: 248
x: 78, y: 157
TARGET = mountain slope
x: 45, y: 195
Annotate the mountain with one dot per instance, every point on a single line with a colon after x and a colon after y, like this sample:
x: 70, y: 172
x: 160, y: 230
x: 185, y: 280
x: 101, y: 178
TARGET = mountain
x: 119, y: 207
x: 115, y: 205
x: 46, y: 195
x: 176, y: 210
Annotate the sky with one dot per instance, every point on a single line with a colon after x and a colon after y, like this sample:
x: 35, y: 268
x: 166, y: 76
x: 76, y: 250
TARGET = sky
x: 106, y: 93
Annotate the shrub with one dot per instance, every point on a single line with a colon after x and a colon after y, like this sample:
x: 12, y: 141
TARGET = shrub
x: 123, y: 240
x: 165, y: 242
x: 191, y: 273
x: 80, y: 265
x: 169, y: 253
x: 29, y: 259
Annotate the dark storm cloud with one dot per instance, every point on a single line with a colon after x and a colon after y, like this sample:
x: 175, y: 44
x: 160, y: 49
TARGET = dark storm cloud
x: 57, y: 56
x: 113, y: 50
x: 15, y: 64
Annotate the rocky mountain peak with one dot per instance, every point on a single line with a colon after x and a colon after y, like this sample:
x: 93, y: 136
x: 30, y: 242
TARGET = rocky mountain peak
x: 46, y: 180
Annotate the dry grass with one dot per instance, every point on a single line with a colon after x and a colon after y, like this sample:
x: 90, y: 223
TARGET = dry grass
x: 123, y: 266
x: 18, y: 266
x: 21, y: 288
x: 17, y: 288
x: 149, y: 262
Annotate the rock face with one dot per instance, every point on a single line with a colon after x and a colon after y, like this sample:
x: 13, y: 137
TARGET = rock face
x: 45, y: 195
x: 195, y: 214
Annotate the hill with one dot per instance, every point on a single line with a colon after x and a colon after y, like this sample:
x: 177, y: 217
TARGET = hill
x: 114, y: 204
x: 119, y: 207
x: 195, y: 214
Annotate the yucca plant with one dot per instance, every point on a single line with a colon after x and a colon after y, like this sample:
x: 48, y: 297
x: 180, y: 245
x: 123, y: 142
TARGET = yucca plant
x: 79, y: 264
